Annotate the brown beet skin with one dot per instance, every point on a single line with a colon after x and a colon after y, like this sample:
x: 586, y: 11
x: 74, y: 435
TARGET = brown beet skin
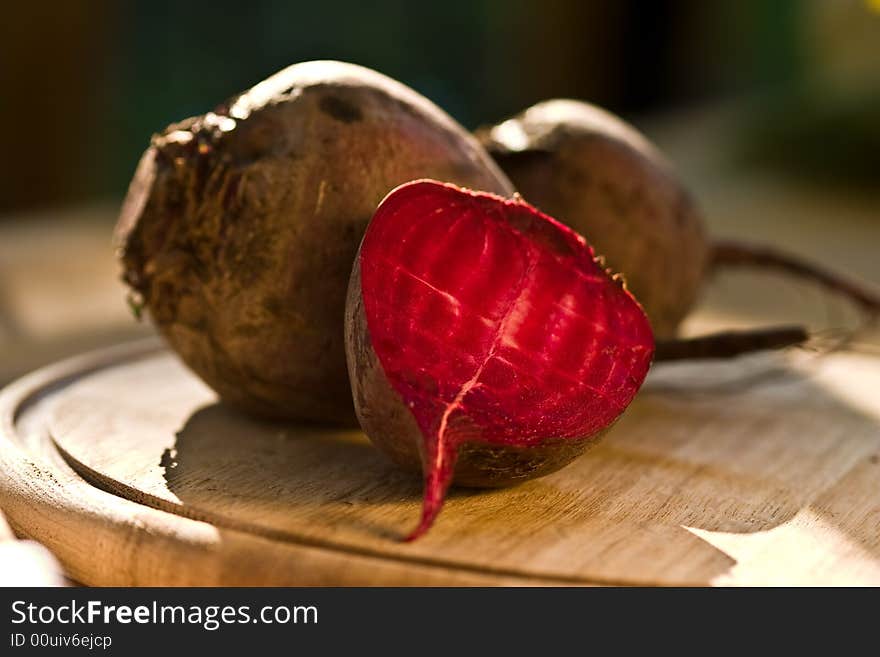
x: 240, y: 226
x: 598, y: 175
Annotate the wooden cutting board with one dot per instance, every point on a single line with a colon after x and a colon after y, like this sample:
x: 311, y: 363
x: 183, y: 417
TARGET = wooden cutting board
x: 761, y: 471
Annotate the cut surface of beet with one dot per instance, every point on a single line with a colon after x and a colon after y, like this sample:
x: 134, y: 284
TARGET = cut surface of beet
x: 494, y: 324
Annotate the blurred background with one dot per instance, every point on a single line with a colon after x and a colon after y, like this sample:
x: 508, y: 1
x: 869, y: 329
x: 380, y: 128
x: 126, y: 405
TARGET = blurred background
x: 770, y: 110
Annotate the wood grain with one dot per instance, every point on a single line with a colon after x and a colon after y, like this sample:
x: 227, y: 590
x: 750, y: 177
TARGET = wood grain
x: 763, y: 471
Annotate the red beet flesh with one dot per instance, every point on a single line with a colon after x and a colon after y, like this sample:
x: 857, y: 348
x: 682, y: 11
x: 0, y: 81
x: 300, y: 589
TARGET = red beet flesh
x: 495, y: 329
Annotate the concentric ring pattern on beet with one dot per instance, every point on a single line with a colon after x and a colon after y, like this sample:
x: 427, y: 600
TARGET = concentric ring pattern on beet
x: 492, y: 326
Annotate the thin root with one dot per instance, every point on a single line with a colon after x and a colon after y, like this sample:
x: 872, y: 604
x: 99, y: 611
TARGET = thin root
x: 729, y: 344
x: 741, y: 254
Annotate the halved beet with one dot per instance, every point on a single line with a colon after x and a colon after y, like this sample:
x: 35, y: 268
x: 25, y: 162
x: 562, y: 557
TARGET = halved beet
x: 485, y: 344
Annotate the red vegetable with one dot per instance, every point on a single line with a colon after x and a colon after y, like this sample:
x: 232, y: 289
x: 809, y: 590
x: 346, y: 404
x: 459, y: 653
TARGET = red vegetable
x: 485, y: 344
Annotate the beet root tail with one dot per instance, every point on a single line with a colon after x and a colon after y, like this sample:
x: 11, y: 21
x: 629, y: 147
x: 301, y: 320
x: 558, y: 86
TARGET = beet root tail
x: 439, y: 469
x: 729, y: 344
x: 726, y: 254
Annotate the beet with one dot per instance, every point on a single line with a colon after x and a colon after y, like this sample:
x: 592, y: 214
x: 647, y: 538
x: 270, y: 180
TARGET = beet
x: 601, y: 177
x: 485, y: 343
x: 241, y: 226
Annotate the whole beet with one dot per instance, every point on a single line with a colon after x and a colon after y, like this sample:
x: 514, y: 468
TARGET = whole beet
x: 241, y: 225
x: 599, y: 176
